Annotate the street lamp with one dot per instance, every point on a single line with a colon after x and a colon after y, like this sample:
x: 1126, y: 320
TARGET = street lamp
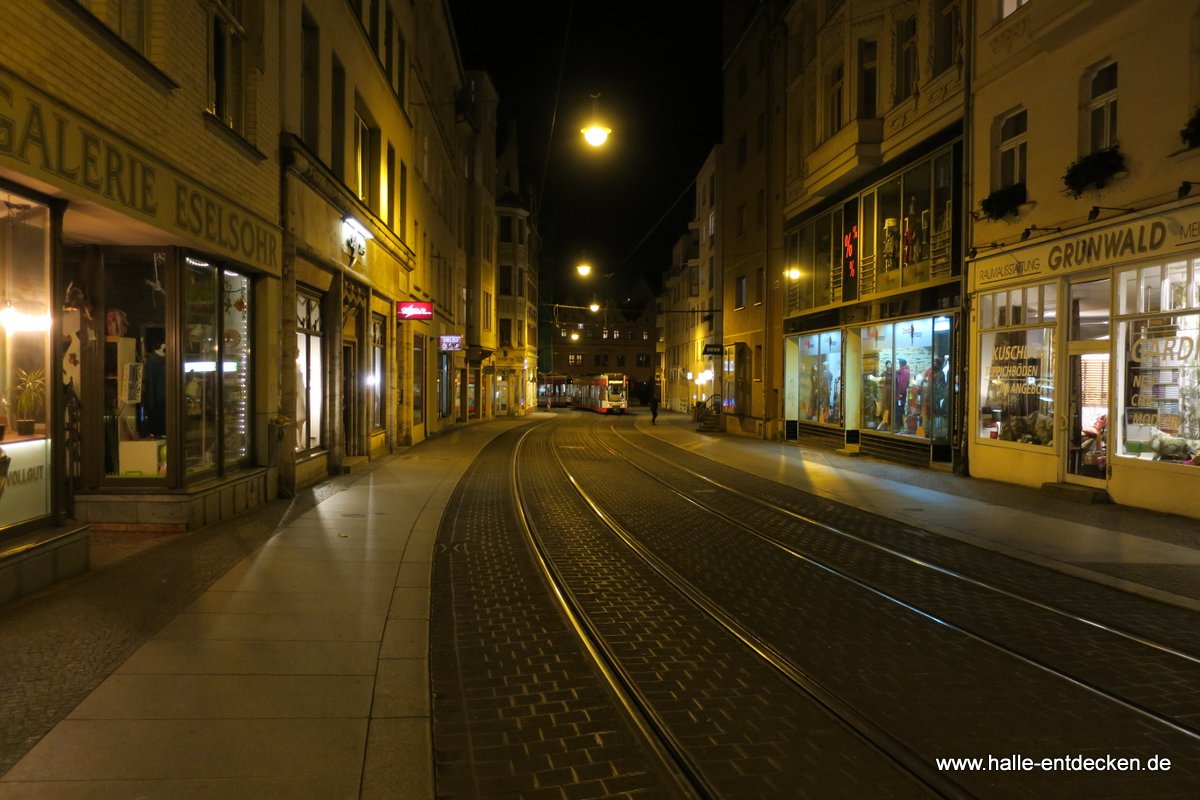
x: 595, y: 133
x: 583, y: 269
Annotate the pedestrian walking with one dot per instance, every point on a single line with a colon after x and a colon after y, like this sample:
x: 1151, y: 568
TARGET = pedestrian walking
x: 653, y: 409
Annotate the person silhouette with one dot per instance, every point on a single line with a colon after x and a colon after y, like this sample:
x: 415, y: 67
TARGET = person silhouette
x: 653, y: 410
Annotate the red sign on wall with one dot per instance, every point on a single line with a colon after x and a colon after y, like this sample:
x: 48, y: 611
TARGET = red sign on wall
x: 411, y: 310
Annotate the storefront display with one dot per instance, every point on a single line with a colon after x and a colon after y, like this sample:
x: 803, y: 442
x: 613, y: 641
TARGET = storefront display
x: 1016, y: 365
x: 815, y: 368
x: 25, y: 371
x: 1159, y: 399
x: 906, y: 377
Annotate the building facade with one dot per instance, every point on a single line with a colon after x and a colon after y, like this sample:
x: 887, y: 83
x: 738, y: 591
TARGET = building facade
x: 143, y: 262
x: 1084, y: 276
x: 516, y: 289
x: 236, y: 241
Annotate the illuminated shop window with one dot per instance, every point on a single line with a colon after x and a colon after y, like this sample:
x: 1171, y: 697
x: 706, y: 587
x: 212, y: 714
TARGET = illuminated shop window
x: 906, y: 377
x: 1158, y: 400
x: 1016, y: 365
x: 25, y: 374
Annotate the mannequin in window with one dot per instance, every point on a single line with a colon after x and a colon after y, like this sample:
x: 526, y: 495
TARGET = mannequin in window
x: 154, y: 392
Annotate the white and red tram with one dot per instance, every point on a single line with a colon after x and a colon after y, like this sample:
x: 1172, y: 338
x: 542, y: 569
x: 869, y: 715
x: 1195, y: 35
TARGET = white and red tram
x: 605, y: 393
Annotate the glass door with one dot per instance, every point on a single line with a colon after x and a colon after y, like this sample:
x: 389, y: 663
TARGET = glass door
x: 1088, y: 375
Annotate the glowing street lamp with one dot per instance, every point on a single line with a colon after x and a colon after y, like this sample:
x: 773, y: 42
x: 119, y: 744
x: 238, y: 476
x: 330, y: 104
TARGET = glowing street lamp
x: 593, y: 306
x: 595, y: 134
x: 584, y: 269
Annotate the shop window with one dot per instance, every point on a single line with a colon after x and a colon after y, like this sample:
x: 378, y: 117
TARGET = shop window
x: 906, y: 379
x: 309, y: 372
x: 25, y: 364
x: 824, y: 241
x: 377, y: 379
x: 1158, y: 402
x: 1016, y: 365
x: 818, y: 375
x: 916, y: 225
x: 418, y: 384
x: 216, y: 366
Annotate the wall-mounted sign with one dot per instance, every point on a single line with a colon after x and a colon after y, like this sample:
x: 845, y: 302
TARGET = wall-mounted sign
x: 411, y: 310
x: 712, y: 350
x: 450, y: 343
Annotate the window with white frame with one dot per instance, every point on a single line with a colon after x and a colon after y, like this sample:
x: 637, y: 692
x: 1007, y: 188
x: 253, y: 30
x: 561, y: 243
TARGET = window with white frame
x: 1102, y: 108
x: 1012, y: 149
x: 1009, y: 6
x: 1016, y: 365
x: 1158, y: 399
x: 227, y: 70
x: 947, y: 36
x: 834, y: 88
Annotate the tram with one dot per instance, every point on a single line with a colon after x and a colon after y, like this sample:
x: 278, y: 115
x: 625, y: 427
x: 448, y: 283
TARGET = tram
x: 605, y: 393
x: 554, y: 390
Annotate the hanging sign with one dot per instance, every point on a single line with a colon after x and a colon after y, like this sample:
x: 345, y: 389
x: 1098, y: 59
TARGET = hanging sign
x: 411, y: 310
x: 450, y: 343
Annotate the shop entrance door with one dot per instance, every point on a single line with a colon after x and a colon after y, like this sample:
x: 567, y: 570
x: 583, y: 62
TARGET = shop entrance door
x: 1084, y: 420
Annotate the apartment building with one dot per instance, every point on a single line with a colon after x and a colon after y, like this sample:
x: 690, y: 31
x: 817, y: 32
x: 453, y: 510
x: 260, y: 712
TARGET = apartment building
x: 258, y: 220
x: 749, y: 212
x: 873, y: 222
x: 142, y: 255
x: 516, y: 289
x: 1085, y: 257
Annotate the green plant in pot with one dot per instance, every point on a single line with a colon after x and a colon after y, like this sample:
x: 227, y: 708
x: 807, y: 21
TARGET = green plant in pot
x: 30, y: 399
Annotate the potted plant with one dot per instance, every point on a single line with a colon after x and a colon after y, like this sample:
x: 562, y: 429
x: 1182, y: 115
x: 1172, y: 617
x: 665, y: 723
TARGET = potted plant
x: 1094, y: 171
x: 1191, y: 132
x: 1002, y: 202
x: 31, y: 399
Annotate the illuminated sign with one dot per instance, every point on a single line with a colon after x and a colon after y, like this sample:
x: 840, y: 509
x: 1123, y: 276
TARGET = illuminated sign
x: 449, y: 343
x: 408, y: 310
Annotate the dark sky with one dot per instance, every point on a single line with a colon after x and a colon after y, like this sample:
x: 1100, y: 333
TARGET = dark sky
x: 657, y: 67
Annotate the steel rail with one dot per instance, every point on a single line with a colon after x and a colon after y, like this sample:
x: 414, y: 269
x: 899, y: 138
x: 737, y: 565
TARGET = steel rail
x: 906, y: 759
x: 669, y: 753
x: 1071, y: 615
x: 1159, y: 718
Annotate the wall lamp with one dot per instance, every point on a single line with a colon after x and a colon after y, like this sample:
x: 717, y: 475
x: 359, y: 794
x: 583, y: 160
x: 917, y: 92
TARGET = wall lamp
x: 1095, y: 212
x: 1185, y: 188
x: 355, y: 236
x: 1025, y: 234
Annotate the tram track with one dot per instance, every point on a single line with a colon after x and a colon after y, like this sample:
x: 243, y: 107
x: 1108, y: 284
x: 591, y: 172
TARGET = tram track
x: 1172, y: 662
x: 690, y: 771
x: 894, y: 743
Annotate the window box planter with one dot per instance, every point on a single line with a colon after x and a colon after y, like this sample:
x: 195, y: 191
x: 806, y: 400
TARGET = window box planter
x: 1094, y: 171
x: 1002, y: 202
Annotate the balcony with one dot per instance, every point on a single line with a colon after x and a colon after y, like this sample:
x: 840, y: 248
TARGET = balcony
x: 850, y: 153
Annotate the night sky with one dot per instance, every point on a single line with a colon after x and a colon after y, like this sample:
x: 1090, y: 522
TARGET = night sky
x: 657, y: 67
